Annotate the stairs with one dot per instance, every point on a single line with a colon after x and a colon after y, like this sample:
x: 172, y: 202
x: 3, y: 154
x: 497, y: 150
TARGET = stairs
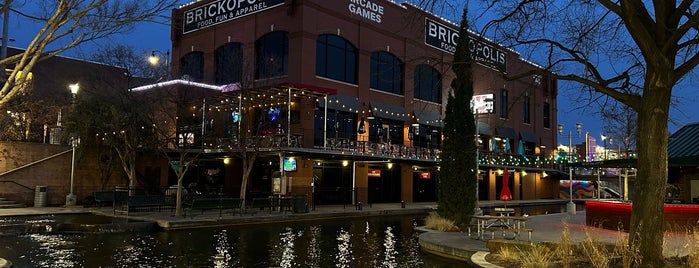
x: 4, y: 203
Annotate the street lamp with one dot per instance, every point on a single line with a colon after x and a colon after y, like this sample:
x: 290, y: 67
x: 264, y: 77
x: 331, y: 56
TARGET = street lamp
x: 153, y: 59
x: 70, y: 198
x: 488, y: 101
x: 570, y: 207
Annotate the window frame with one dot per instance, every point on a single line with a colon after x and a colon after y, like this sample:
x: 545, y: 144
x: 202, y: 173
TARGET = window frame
x: 271, y: 57
x: 386, y: 73
x: 325, y: 65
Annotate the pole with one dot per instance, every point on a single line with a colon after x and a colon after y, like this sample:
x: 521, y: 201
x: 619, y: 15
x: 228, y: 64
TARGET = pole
x: 599, y: 187
x: 70, y: 198
x: 570, y: 207
x: 477, y: 210
x: 203, y: 123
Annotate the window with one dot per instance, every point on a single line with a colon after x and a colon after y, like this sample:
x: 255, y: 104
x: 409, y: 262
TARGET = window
x: 547, y: 115
x: 503, y: 103
x: 386, y: 72
x: 525, y: 110
x: 336, y: 58
x: 427, y: 83
x: 383, y: 130
x: 228, y: 61
x: 272, y: 55
x: 340, y: 124
x: 192, y: 66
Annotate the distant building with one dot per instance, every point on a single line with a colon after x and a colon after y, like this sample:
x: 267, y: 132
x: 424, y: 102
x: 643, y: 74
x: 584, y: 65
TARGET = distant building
x: 34, y: 150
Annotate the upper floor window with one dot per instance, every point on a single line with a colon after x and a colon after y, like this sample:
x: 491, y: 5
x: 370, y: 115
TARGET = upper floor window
x: 336, y: 58
x: 547, y: 115
x: 503, y: 103
x: 192, y: 66
x: 228, y: 61
x: 427, y: 83
x: 525, y: 110
x: 386, y: 72
x: 272, y: 55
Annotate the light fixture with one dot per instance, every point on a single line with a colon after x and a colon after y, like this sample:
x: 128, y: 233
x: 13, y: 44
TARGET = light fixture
x: 153, y: 59
x: 389, y: 165
x: 345, y: 163
x: 226, y: 160
x: 74, y: 88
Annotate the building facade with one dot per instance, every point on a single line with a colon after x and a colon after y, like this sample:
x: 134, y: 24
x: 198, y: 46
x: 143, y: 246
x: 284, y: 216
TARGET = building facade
x: 344, y: 100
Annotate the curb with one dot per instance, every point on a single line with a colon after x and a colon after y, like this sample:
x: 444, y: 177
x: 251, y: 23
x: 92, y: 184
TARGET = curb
x: 478, y: 260
x: 5, y: 263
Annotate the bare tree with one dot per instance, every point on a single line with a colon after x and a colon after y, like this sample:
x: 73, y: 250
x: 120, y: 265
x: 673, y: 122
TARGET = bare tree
x: 620, y: 124
x: 110, y: 115
x: 69, y: 23
x: 634, y: 52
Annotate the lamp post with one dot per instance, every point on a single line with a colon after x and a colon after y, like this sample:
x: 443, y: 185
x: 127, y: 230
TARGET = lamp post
x: 153, y: 59
x: 570, y: 207
x: 70, y: 198
x: 488, y: 108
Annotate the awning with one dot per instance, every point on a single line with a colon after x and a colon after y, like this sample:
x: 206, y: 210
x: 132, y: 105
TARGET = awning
x: 388, y: 111
x: 527, y: 136
x: 341, y: 102
x: 506, y: 132
x: 484, y: 129
x: 428, y: 118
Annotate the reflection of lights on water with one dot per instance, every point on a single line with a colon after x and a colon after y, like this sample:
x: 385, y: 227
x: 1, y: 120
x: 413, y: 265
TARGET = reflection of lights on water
x: 222, y: 257
x: 287, y: 242
x: 389, y: 244
x: 313, y: 251
x: 60, y: 251
x: 344, y: 248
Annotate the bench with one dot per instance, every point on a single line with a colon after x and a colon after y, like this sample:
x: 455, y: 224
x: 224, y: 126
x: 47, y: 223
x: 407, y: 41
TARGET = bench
x: 135, y: 202
x: 515, y: 232
x: 261, y: 203
x: 504, y: 211
x: 220, y: 203
x: 103, y: 197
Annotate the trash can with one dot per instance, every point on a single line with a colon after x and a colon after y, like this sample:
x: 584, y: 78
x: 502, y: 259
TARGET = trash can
x: 40, y: 196
x: 300, y: 205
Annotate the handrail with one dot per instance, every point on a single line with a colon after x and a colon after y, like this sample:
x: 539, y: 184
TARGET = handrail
x: 35, y: 162
x: 19, y: 184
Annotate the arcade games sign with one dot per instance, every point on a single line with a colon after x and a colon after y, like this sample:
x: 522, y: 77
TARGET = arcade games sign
x: 221, y: 11
x: 441, y: 37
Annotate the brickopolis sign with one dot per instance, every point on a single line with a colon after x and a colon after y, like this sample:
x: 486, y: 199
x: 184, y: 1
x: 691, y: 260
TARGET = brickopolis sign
x: 221, y: 11
x: 441, y: 37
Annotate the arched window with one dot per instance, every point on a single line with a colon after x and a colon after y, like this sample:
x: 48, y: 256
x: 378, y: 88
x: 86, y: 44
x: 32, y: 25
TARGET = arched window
x: 228, y: 61
x: 272, y: 55
x: 336, y: 58
x: 386, y: 72
x: 427, y: 83
x: 192, y: 66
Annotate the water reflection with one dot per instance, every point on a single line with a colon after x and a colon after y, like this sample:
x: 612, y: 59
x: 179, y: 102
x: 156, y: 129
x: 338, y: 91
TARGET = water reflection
x: 374, y: 242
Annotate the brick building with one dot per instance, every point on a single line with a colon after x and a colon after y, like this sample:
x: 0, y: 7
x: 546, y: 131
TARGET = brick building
x: 343, y: 100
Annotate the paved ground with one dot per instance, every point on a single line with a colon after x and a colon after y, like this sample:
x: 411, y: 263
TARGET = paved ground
x: 545, y: 227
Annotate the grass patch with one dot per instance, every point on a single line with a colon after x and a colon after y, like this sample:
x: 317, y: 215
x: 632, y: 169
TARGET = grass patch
x: 435, y: 222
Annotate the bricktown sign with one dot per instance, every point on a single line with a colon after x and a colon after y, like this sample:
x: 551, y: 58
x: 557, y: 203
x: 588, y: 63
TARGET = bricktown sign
x: 442, y: 37
x: 221, y: 11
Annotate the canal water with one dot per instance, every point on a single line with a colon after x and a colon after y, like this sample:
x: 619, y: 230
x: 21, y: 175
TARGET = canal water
x: 367, y: 242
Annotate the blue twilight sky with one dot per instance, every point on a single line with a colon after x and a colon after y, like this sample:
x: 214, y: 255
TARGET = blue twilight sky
x: 151, y: 36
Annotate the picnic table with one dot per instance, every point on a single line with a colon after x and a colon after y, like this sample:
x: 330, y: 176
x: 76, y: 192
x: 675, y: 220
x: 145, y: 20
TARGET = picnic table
x: 505, y: 224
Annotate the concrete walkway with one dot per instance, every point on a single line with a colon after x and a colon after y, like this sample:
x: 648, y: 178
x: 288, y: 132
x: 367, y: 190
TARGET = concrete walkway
x: 458, y: 245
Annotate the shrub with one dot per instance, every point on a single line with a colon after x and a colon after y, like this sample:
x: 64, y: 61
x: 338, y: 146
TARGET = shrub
x: 435, y: 222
